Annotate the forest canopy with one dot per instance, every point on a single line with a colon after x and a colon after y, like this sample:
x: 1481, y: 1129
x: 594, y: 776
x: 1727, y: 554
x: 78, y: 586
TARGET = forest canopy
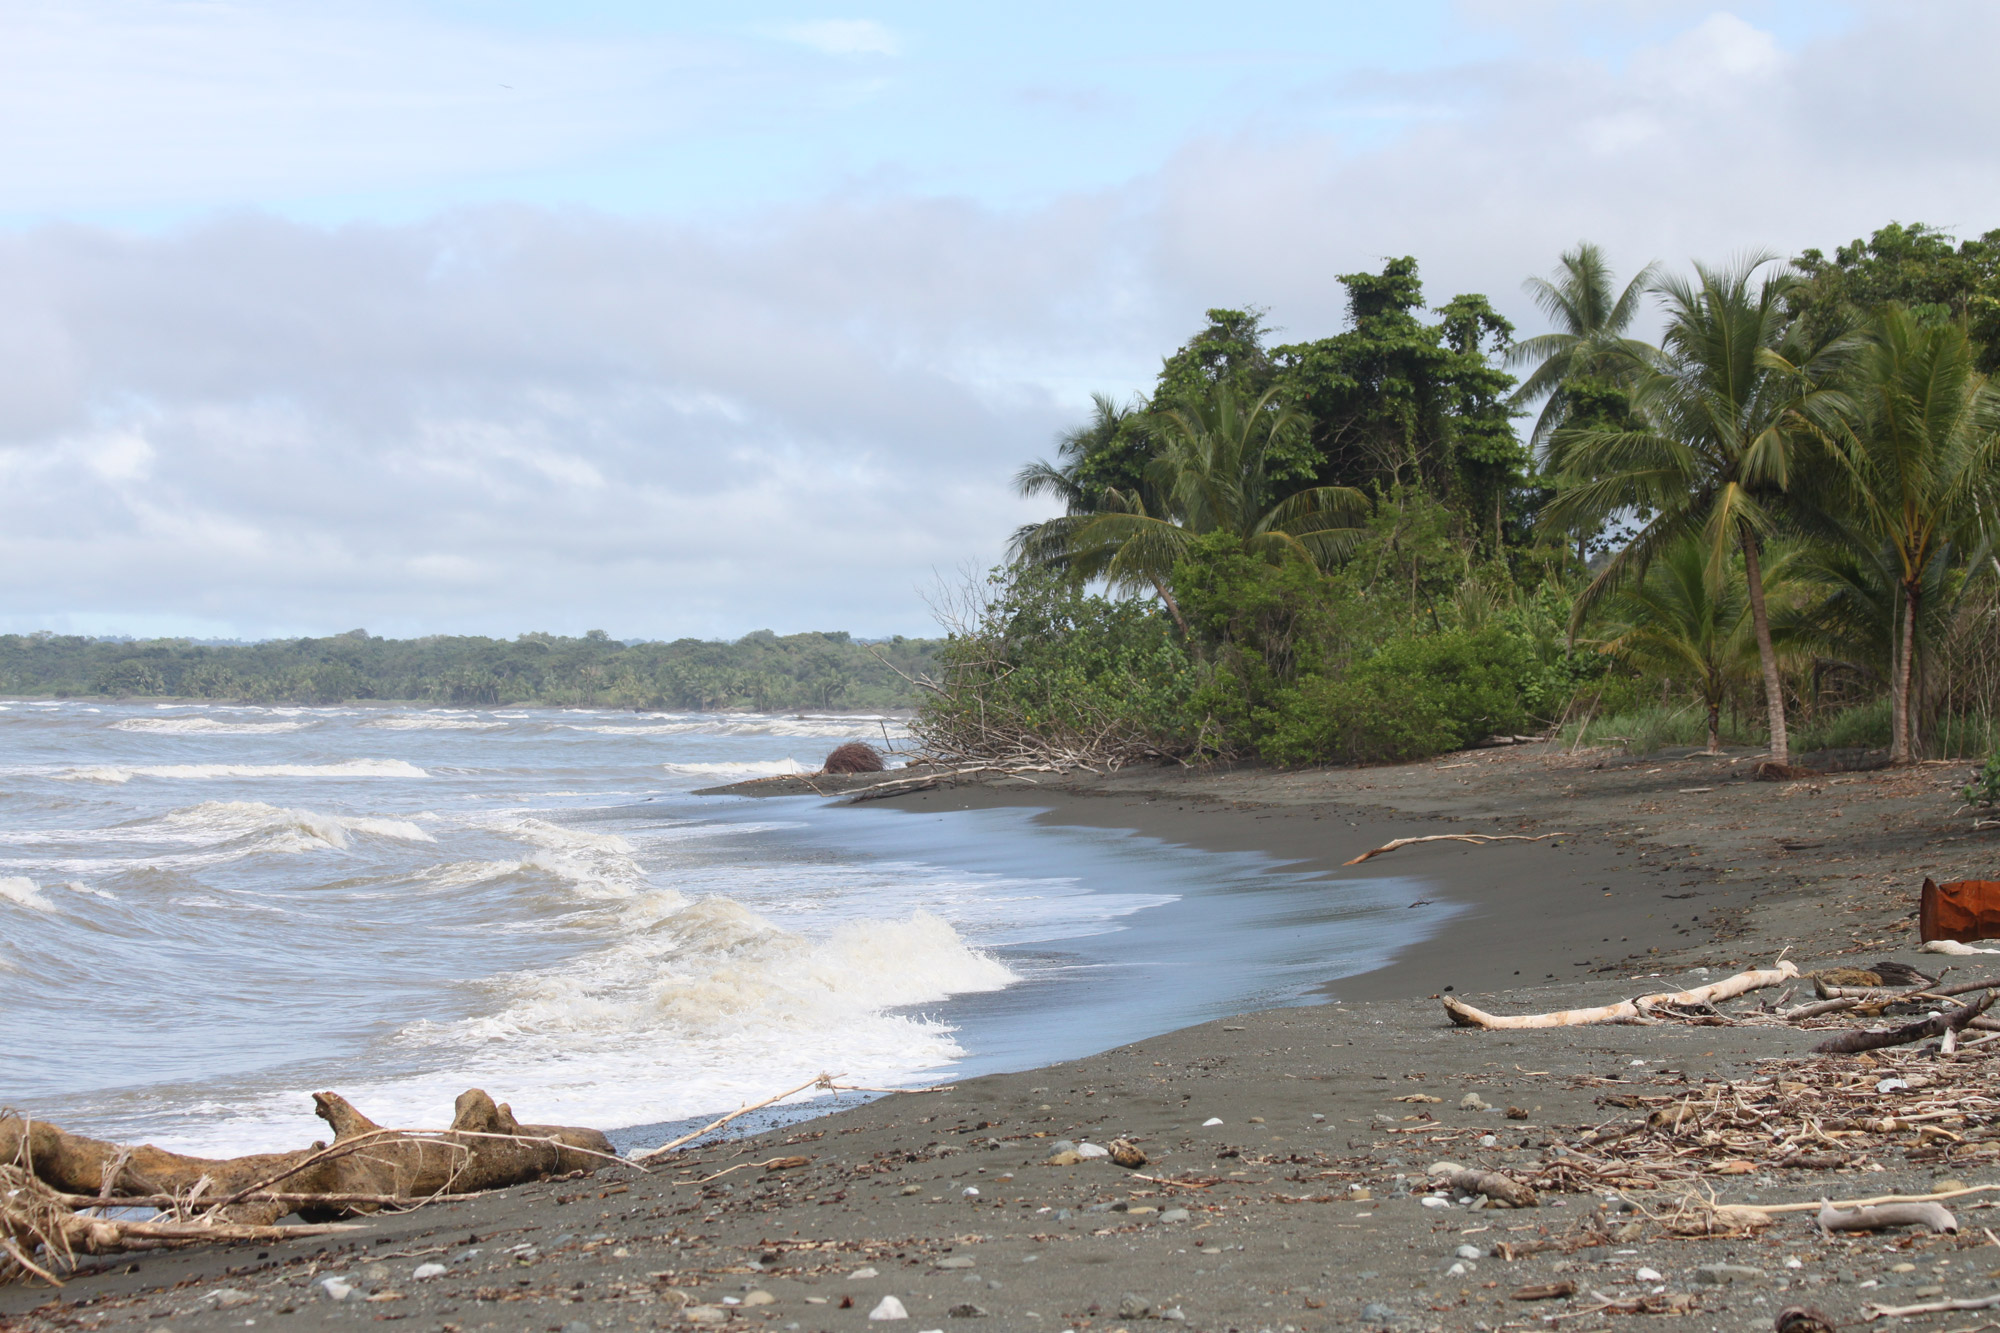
x: 1772, y: 523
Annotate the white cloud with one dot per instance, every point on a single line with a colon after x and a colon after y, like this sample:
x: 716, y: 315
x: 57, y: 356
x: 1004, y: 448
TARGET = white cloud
x: 842, y: 37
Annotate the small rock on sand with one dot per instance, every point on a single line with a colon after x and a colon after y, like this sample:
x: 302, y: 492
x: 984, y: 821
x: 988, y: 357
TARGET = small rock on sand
x: 889, y: 1308
x: 1472, y: 1101
x: 1174, y: 1215
x: 1133, y: 1308
x: 862, y: 1273
x: 704, y: 1314
x: 225, y: 1297
x: 759, y: 1298
x: 429, y: 1270
x: 1092, y: 1150
x: 955, y: 1261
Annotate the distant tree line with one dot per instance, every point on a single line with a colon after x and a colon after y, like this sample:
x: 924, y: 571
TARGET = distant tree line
x: 762, y: 671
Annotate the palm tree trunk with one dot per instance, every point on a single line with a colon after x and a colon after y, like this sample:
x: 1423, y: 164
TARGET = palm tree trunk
x: 1173, y: 607
x: 1714, y: 726
x: 1774, y: 690
x: 1901, y: 747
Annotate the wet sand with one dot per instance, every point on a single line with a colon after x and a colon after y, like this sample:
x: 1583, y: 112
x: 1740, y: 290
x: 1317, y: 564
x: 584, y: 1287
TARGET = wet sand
x: 1669, y: 864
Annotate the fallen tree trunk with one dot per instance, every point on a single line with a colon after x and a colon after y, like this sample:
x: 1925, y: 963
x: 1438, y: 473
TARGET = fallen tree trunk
x: 485, y: 1148
x: 1851, y: 1043
x: 1625, y: 1011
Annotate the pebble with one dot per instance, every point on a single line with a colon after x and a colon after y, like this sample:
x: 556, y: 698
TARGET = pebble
x: 1445, y: 1168
x: 1377, y: 1313
x: 1091, y: 1150
x: 955, y: 1261
x: 1174, y: 1215
x: 429, y: 1270
x: 1459, y: 1269
x: 1472, y: 1101
x: 1488, y: 1141
x: 1067, y: 1157
x: 1469, y: 1252
x: 889, y: 1308
x: 704, y: 1314
x: 1211, y: 1122
x: 970, y: 1191
x: 229, y: 1296
x: 913, y: 1189
x: 1174, y: 1314
x: 339, y: 1288
x: 1717, y: 1275
x: 1648, y: 1275
x: 1131, y: 1307
x: 1903, y: 1268
x: 862, y: 1273
x: 1432, y: 1201
x: 759, y: 1298
x: 1064, y: 1214
x: 1061, y: 1145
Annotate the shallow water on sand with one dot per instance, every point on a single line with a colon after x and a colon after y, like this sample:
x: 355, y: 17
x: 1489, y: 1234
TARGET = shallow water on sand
x: 208, y: 912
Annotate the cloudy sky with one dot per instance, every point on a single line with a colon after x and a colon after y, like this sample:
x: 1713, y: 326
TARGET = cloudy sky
x: 677, y: 319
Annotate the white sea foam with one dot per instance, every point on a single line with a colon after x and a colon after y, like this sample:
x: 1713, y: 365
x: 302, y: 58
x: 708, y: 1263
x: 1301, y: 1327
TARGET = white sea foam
x: 350, y: 768
x: 23, y: 892
x: 427, y: 722
x: 206, y: 726
x: 749, y: 770
x: 830, y: 728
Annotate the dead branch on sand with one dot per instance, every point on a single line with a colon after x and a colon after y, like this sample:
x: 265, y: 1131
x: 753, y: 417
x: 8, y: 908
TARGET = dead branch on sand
x: 1640, y: 1010
x: 1477, y: 839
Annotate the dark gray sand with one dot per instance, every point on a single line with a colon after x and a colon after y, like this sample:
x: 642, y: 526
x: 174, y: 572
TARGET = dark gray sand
x: 1300, y: 1209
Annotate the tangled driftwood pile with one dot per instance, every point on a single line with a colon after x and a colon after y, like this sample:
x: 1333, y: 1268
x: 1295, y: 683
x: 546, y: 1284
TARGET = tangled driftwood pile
x: 55, y: 1186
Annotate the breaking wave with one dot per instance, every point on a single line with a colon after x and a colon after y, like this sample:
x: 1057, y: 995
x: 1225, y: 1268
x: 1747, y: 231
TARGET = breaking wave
x: 769, y: 768
x: 351, y: 768
x: 23, y: 892
x: 206, y: 726
x: 423, y: 722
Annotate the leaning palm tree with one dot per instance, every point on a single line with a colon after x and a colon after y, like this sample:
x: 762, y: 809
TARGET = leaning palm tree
x: 1723, y: 422
x: 1917, y: 460
x: 1588, y: 341
x: 1690, y: 617
x: 1213, y: 473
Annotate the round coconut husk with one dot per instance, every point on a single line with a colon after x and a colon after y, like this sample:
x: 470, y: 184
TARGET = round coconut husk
x: 855, y: 757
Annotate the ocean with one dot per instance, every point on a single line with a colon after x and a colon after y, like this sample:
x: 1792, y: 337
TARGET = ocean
x: 208, y: 912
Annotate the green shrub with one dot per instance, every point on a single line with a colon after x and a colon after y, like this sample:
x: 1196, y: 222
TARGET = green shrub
x: 1420, y: 695
x: 1865, y: 726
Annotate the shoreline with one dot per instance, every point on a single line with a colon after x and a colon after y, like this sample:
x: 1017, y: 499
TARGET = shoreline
x: 1703, y: 865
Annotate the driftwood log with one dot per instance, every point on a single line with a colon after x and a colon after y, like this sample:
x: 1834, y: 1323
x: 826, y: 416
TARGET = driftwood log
x: 1640, y: 1010
x: 1476, y: 839
x: 1945, y: 1024
x: 1931, y: 1216
x: 1496, y: 1187
x: 485, y: 1148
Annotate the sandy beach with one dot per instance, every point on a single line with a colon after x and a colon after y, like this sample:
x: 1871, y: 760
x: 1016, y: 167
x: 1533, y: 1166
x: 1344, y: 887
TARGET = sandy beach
x: 1286, y: 1149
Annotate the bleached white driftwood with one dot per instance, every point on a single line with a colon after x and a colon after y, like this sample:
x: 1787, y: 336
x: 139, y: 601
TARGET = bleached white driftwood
x: 1931, y: 1216
x: 1625, y: 1011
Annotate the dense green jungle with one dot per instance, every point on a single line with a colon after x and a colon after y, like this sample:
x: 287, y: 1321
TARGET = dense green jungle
x: 1772, y: 526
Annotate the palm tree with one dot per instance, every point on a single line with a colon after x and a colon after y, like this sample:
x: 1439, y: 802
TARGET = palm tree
x: 1212, y: 473
x: 1065, y: 478
x: 1916, y: 471
x: 1723, y: 420
x: 1589, y: 340
x: 1690, y: 616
